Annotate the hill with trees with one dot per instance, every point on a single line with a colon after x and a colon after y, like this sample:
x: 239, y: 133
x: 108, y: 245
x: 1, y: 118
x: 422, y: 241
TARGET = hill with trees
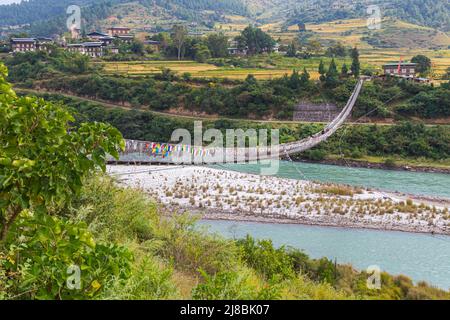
x: 38, y: 13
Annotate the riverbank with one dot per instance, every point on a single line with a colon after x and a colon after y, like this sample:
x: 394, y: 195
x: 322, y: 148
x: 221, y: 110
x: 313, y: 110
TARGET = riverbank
x: 228, y: 195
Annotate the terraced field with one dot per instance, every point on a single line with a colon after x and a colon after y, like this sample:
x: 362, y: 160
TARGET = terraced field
x: 200, y: 70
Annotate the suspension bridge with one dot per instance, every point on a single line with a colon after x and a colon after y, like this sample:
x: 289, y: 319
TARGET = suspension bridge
x: 146, y: 152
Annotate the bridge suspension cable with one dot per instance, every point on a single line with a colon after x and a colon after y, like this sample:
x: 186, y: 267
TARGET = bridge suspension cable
x: 134, y: 147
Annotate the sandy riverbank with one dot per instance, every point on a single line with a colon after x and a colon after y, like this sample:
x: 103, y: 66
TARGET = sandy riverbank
x: 226, y: 195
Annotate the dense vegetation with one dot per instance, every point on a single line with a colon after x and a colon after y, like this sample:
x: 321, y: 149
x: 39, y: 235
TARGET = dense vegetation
x: 44, y: 15
x: 427, y: 13
x: 249, y: 99
x: 390, y: 98
x: 405, y: 140
x: 35, y: 10
x: 189, y: 9
x: 30, y: 66
x: 258, y: 99
x: 215, y: 45
x: 48, y: 17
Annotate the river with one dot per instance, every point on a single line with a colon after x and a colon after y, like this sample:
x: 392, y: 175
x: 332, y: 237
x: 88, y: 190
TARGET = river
x: 417, y: 183
x: 419, y: 256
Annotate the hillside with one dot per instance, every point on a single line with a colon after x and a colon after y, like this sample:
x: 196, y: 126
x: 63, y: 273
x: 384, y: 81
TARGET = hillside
x: 32, y: 11
x: 48, y: 16
x: 432, y: 13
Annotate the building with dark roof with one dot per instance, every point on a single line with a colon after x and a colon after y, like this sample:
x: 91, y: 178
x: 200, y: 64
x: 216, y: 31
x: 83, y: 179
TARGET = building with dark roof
x: 96, y: 35
x: 24, y: 44
x: 92, y: 49
x: 125, y: 38
x: 400, y: 69
x: 30, y: 44
x: 118, y: 31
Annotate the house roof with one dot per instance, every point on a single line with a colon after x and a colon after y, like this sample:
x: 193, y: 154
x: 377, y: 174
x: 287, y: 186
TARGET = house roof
x: 23, y: 39
x: 93, y: 44
x: 96, y: 33
x: 401, y: 64
x: 44, y: 39
x: 86, y: 44
x: 151, y: 42
x: 129, y: 36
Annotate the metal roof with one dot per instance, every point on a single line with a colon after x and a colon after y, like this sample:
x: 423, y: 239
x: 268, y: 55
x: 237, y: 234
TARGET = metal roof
x: 97, y: 33
x: 402, y: 64
x: 93, y: 44
x: 24, y: 39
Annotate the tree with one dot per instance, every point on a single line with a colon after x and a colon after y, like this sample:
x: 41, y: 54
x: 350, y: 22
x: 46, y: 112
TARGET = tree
x: 338, y: 50
x: 137, y: 47
x: 179, y: 35
x: 356, y: 65
x: 255, y: 40
x: 304, y: 78
x: 314, y: 46
x: 294, y: 81
x: 43, y: 159
x: 293, y: 48
x: 331, y: 78
x: 322, y: 70
x: 447, y: 74
x: 202, y: 53
x: 218, y: 45
x: 423, y: 63
x: 344, y: 70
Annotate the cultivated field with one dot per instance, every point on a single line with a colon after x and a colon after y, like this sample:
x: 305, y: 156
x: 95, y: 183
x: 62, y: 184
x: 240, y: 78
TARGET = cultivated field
x: 199, y: 70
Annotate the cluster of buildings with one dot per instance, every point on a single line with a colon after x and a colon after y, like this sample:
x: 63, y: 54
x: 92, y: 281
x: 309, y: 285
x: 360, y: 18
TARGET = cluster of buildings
x: 98, y: 44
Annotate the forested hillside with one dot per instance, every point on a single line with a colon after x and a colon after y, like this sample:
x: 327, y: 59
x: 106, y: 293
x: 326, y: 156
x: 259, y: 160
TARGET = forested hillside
x: 31, y: 11
x: 188, y: 9
x: 47, y: 15
x: 432, y: 13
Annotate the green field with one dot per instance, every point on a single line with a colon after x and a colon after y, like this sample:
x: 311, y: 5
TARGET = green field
x: 263, y: 67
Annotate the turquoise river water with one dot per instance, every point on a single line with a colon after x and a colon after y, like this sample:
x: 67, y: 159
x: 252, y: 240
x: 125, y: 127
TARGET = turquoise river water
x: 419, y: 256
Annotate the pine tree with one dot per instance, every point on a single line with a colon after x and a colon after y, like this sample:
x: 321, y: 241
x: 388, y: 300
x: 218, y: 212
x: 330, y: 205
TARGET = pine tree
x: 304, y: 77
x: 331, y: 78
x: 322, y: 71
x: 294, y: 81
x: 344, y: 70
x: 356, y: 65
x: 292, y: 50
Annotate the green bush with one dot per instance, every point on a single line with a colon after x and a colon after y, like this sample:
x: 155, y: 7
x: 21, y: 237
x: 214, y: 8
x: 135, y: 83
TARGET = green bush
x: 230, y: 285
x: 265, y: 259
x: 40, y: 252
